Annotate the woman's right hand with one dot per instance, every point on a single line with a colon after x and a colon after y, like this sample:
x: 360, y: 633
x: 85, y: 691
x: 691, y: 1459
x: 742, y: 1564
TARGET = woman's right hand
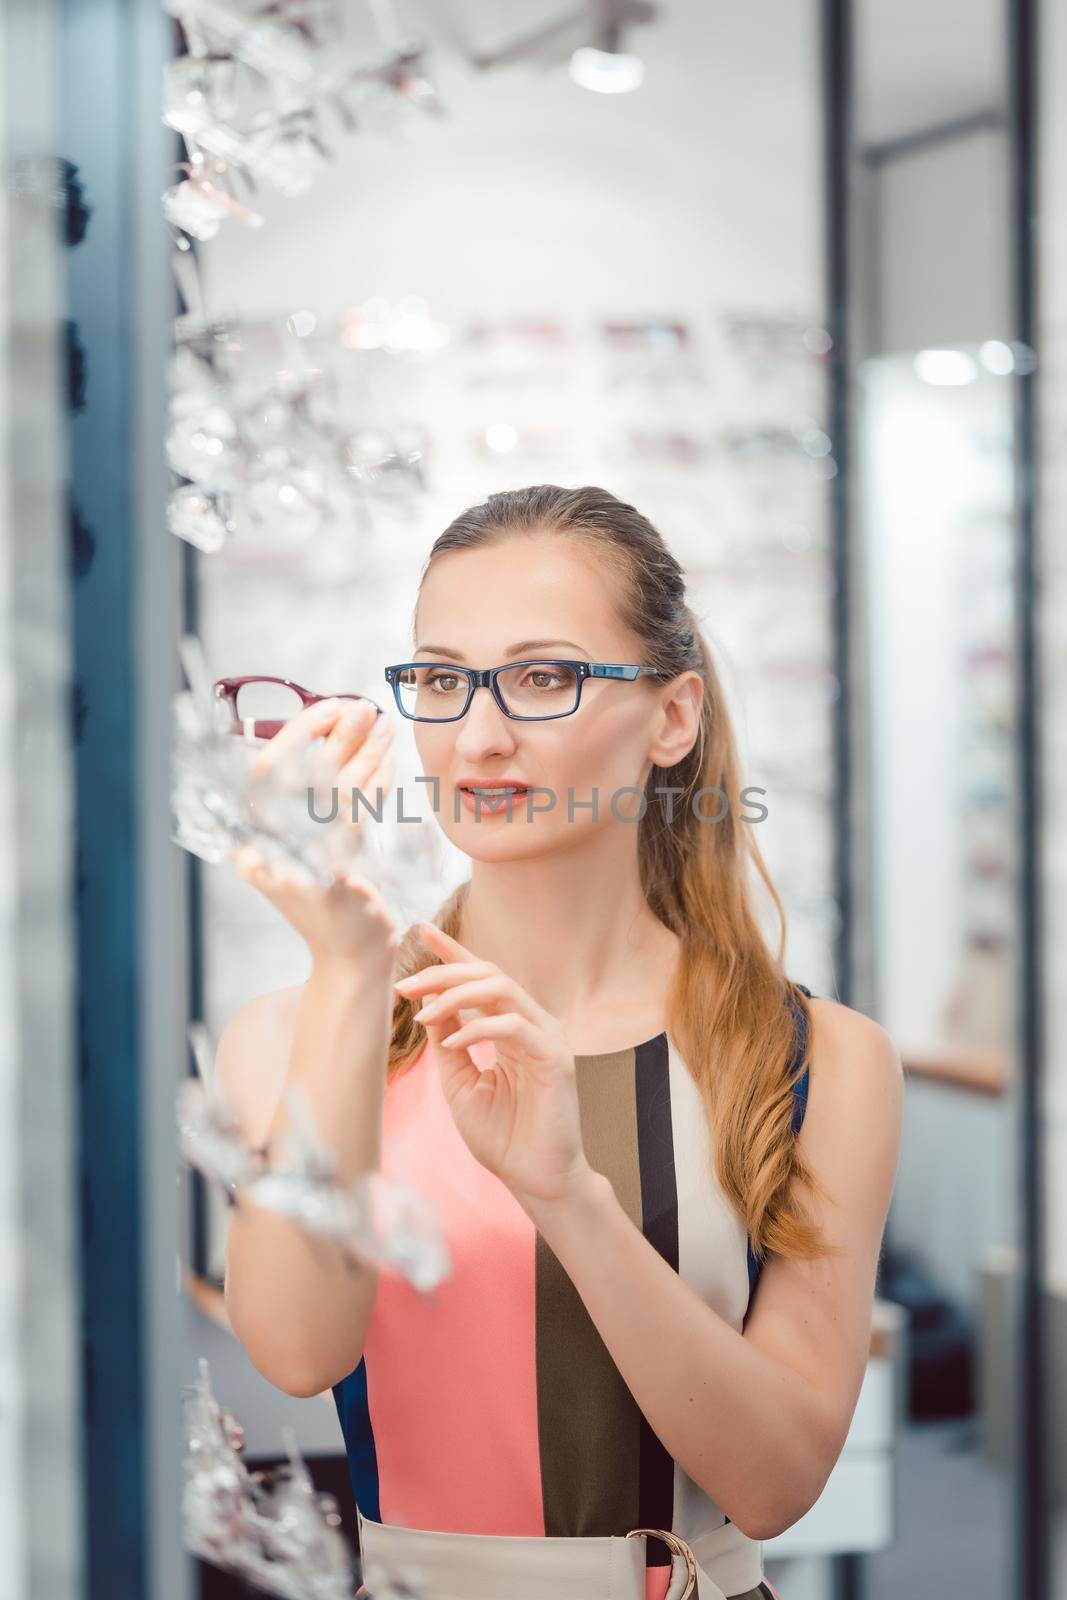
x: 348, y: 922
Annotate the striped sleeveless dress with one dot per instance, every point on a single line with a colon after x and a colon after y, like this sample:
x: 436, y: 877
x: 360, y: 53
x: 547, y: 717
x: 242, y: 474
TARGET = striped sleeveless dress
x: 492, y: 1405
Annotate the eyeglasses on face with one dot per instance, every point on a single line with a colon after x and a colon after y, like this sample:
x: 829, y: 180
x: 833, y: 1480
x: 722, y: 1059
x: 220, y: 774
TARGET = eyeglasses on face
x: 528, y: 691
x: 261, y: 706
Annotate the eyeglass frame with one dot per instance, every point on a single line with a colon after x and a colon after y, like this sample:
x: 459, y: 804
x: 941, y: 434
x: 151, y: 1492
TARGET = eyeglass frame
x: 486, y: 678
x: 227, y: 689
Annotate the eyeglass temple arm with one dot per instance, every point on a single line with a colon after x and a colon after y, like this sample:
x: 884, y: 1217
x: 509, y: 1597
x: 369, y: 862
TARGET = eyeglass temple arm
x: 597, y: 669
x: 608, y: 669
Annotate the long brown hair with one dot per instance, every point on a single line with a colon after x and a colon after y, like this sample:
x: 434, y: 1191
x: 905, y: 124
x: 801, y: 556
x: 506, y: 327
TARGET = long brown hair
x: 731, y: 1009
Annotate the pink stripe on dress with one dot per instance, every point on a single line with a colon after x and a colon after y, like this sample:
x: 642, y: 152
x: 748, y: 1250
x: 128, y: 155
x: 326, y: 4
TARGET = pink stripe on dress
x: 657, y: 1582
x: 452, y: 1376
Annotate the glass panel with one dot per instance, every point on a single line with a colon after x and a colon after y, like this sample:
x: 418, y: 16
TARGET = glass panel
x: 934, y: 392
x: 1050, y: 239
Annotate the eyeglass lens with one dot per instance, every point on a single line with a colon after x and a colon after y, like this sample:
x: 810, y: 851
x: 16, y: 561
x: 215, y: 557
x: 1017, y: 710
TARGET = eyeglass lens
x: 529, y: 689
x: 264, y: 708
x: 267, y: 707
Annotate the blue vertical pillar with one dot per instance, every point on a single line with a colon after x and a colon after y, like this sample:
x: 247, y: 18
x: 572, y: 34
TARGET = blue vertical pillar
x: 110, y: 60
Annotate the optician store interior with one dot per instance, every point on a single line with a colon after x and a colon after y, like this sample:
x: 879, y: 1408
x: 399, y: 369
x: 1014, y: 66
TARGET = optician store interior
x: 283, y: 288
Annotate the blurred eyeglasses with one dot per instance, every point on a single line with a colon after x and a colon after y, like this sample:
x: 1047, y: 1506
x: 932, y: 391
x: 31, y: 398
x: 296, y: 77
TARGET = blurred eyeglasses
x: 261, y: 706
x: 529, y: 691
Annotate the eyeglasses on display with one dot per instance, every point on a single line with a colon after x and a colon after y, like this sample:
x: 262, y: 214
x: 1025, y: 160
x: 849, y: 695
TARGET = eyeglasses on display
x: 261, y: 706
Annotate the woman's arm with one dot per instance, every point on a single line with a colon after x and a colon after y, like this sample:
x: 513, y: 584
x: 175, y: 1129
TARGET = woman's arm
x: 298, y: 1308
x: 757, y: 1419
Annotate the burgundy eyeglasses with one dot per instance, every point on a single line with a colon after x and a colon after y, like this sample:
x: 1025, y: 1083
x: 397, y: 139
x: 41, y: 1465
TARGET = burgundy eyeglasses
x: 261, y: 706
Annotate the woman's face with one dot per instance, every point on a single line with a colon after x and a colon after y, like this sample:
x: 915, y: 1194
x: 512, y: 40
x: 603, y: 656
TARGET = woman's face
x: 534, y: 598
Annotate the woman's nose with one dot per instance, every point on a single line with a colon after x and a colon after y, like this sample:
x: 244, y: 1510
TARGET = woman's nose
x: 484, y: 721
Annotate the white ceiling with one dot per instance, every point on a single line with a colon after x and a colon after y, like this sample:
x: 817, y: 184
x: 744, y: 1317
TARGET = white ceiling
x: 919, y: 63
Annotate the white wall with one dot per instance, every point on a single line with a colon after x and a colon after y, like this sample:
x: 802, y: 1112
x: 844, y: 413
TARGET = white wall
x: 701, y: 187
x: 945, y: 254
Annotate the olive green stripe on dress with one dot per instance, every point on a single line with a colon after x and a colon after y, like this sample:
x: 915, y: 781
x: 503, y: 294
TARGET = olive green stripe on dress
x: 588, y: 1422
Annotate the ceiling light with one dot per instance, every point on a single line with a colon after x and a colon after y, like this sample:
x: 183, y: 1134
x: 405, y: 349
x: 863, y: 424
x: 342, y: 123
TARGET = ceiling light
x: 501, y: 437
x: 607, y: 68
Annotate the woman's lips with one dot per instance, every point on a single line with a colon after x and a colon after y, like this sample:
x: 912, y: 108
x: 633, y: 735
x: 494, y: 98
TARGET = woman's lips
x: 488, y: 805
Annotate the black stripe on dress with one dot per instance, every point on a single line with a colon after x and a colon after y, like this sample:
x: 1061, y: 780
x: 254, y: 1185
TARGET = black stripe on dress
x: 659, y: 1211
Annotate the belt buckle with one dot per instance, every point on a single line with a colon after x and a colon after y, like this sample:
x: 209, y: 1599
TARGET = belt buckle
x: 678, y: 1546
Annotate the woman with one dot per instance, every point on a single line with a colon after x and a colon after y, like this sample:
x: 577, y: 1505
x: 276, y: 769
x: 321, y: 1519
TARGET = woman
x: 599, y: 1362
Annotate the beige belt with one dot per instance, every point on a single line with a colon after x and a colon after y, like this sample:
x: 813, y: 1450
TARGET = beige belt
x: 468, y: 1566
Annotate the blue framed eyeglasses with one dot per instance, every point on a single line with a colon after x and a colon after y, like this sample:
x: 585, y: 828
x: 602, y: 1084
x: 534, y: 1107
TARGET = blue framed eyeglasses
x: 528, y: 691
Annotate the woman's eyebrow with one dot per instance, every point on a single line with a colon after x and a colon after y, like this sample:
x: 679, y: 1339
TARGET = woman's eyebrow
x: 516, y: 649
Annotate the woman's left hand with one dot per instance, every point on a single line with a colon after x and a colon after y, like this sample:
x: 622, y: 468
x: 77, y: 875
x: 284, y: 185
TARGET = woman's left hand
x: 519, y: 1117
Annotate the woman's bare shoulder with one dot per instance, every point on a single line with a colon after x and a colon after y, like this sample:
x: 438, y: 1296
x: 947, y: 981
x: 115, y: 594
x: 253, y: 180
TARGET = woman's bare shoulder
x: 839, y: 1032
x: 252, y: 1057
x: 857, y: 1083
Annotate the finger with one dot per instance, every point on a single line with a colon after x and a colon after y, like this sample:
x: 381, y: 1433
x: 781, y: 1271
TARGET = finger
x: 363, y: 782
x: 369, y: 751
x: 475, y: 993
x: 386, y: 773
x: 257, y: 873
x: 429, y: 982
x: 271, y: 873
x: 371, y: 895
x: 441, y: 976
x: 313, y: 722
x: 246, y: 858
x: 357, y: 723
x: 374, y: 793
x: 267, y: 873
x: 495, y: 993
x: 456, y: 1069
x: 508, y: 1025
x: 439, y: 940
